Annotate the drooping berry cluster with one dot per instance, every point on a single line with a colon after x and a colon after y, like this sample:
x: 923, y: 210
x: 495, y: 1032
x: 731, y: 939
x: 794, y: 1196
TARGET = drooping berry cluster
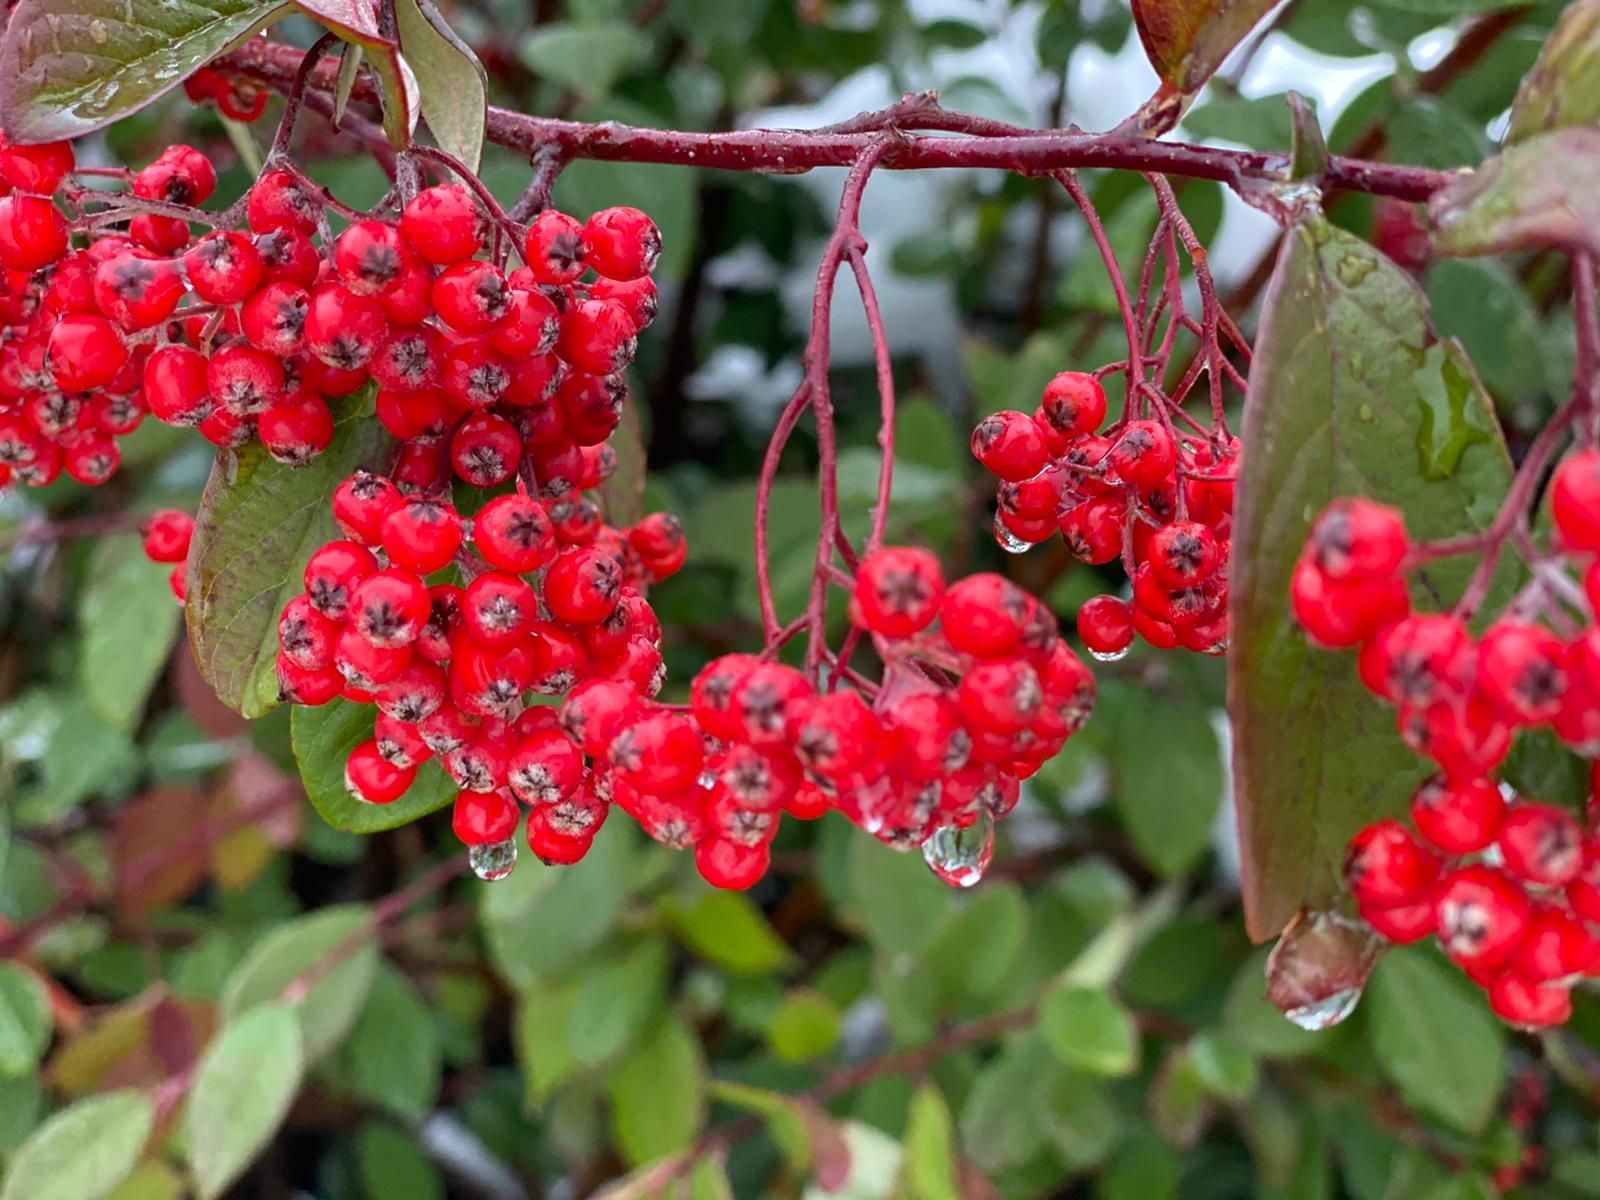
x: 450, y: 665
x: 1159, y: 501
x: 250, y: 333
x: 1510, y: 886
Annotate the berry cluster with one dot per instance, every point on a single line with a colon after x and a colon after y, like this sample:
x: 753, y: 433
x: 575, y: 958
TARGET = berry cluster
x: 1160, y: 501
x: 250, y: 333
x: 449, y: 666
x: 166, y: 536
x: 1510, y: 886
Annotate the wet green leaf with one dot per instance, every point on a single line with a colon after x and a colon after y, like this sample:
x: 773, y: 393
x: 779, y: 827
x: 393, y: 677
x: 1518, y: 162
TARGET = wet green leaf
x: 323, y: 737
x: 1542, y: 192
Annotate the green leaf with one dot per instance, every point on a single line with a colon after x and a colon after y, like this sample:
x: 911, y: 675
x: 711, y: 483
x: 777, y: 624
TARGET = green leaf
x: 323, y: 737
x: 658, y: 1093
x: 725, y: 928
x: 806, y: 1026
x: 615, y: 1001
x: 1441, y: 1047
x: 1186, y: 40
x: 978, y: 944
x: 543, y: 919
x: 1345, y: 383
x: 24, y: 1020
x: 1088, y: 1029
x: 392, y: 1166
x: 151, y: 1180
x: 357, y: 23
x: 929, y: 1162
x: 894, y: 896
x: 1563, y: 87
x: 1078, y: 1119
x: 1223, y: 1066
x: 1483, y: 303
x: 1430, y: 132
x: 1542, y: 192
x: 1144, y: 1167
x: 74, y: 754
x: 1257, y: 122
x: 82, y: 1152
x: 542, y: 1037
x: 451, y: 80
x: 1168, y: 801
x: 587, y: 57
x: 53, y: 85
x: 258, y: 523
x: 241, y: 1094
x: 954, y: 35
x: 128, y: 620
x: 330, y: 1006
x: 392, y: 1057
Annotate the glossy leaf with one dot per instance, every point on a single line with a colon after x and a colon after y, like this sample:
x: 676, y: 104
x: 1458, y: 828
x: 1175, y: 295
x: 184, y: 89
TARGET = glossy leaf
x: 1440, y: 1046
x: 82, y: 1152
x: 241, y: 1094
x: 356, y: 21
x: 1563, y: 88
x: 1186, y: 40
x: 128, y: 620
x: 68, y: 67
x: 323, y: 737
x: 1543, y: 192
x: 450, y: 79
x: 259, y: 521
x: 1349, y: 393
x: 336, y: 947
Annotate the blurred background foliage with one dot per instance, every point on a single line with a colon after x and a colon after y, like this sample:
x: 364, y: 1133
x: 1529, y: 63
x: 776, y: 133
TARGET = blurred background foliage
x: 1087, y: 1022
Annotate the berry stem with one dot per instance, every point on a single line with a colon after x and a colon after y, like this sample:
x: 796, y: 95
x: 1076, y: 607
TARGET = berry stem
x: 1586, y: 370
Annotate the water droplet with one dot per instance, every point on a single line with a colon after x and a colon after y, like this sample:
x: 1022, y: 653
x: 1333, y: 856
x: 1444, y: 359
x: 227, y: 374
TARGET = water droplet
x: 707, y: 778
x: 960, y: 855
x: 1327, y: 1012
x: 1111, y: 655
x: 1010, y: 542
x: 493, y: 860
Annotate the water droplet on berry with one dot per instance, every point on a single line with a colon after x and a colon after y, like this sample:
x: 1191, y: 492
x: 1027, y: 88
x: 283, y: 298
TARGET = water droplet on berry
x: 960, y: 855
x: 493, y: 860
x: 1010, y: 542
x: 1327, y: 1012
x: 707, y: 779
x: 1110, y: 655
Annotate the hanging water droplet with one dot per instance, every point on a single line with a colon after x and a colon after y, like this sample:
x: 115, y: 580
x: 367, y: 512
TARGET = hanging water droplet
x: 1009, y: 542
x: 1111, y: 655
x: 960, y: 855
x: 493, y: 860
x: 707, y: 778
x: 1327, y: 1012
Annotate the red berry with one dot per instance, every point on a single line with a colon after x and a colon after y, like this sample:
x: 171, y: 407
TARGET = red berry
x: 471, y: 297
x: 1521, y: 672
x: 623, y: 243
x: 369, y: 776
x: 1338, y: 617
x: 181, y: 175
x: 1459, y: 817
x: 1556, y: 946
x: 1093, y: 530
x: 1482, y: 915
x: 474, y: 376
x: 482, y: 818
x: 1521, y: 1001
x: 1574, y: 494
x: 498, y: 609
x: 365, y: 665
x: 1001, y: 696
x: 278, y: 201
x: 1105, y: 624
x: 274, y: 318
x: 138, y: 291
x: 443, y: 224
x: 582, y: 585
x: 1183, y: 554
x: 727, y: 864
x: 898, y: 590
x: 332, y: 574
x: 389, y: 607
x: 306, y: 635
x: 39, y: 168
x: 513, y: 533
x: 1431, y: 657
x: 421, y: 534
x: 296, y: 430
x: 224, y: 267
x: 985, y: 615
x: 33, y: 232
x: 370, y: 258
x: 711, y: 695
x: 344, y: 329
x: 545, y: 768
x: 485, y: 450
x: 1074, y: 403
x: 596, y: 712
x: 761, y: 701
x: 530, y: 326
x: 1357, y: 540
x: 399, y: 742
x: 1144, y: 454
x: 1541, y: 844
x: 360, y: 503
x: 298, y: 685
x: 598, y: 337
x: 1402, y: 924
x: 834, y: 735
x: 167, y: 534
x: 1386, y: 866
x: 86, y: 352
x: 555, y: 249
x: 1010, y: 445
x: 550, y: 844
x: 245, y: 380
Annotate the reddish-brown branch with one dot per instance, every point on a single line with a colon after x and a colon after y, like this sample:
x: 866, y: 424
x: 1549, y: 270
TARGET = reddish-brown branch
x: 971, y: 141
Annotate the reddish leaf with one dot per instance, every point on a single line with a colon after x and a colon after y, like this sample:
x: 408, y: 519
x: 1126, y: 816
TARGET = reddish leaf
x: 356, y: 21
x: 1186, y: 40
x: 153, y: 867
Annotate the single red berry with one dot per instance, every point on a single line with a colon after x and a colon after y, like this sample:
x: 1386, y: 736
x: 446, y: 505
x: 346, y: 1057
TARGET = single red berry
x: 638, y: 297
x: 1183, y: 554
x: 363, y: 663
x: 167, y: 534
x: 711, y: 695
x: 421, y: 534
x: 659, y: 753
x: 485, y: 450
x: 1556, y: 946
x: 1341, y: 616
x: 513, y: 533
x: 623, y: 243
x: 1518, y: 1000
x: 298, y: 685
x: 86, y: 352
x: 483, y: 818
x: 389, y: 607
x: 278, y: 201
x: 596, y: 711
x: 727, y: 864
x: 138, y: 291
x: 1521, y: 671
x: 598, y: 337
x: 1385, y: 865
x: 1431, y: 657
x: 344, y: 329
x: 305, y: 635
x: 33, y: 232
x: 332, y: 574
x: 1074, y: 403
x: 1357, y: 540
x: 898, y: 591
x: 414, y: 694
x: 288, y: 256
x: 1010, y: 445
x: 1482, y: 915
x: 39, y: 168
x: 1144, y: 454
x: 443, y: 224
x: 369, y: 776
x: 224, y: 267
x: 1402, y: 924
x: 529, y: 326
x: 498, y: 609
x: 1105, y: 623
x: 473, y: 375
x: 834, y: 735
x: 1459, y: 817
x: 296, y: 430
x: 1466, y: 740
x: 552, y: 846
x: 471, y: 297
x: 985, y: 615
x: 360, y: 503
x: 545, y: 768
x: 1574, y: 493
x: 555, y: 249
x: 274, y: 318
x: 582, y: 585
x: 370, y: 258
x: 1002, y: 696
x: 245, y: 380
x: 1541, y: 844
x: 1093, y: 530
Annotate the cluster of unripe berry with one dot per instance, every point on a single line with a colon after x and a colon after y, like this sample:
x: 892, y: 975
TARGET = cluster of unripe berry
x: 249, y: 333
x: 1510, y: 886
x: 449, y: 666
x: 1160, y: 501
